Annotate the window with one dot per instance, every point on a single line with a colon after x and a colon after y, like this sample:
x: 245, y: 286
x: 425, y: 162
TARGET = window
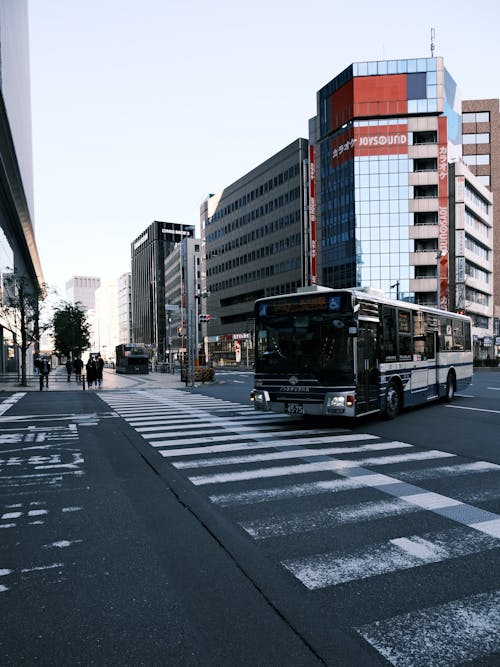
x: 475, y: 160
x: 476, y: 117
x: 429, y: 137
x: 416, y: 84
x: 480, y: 138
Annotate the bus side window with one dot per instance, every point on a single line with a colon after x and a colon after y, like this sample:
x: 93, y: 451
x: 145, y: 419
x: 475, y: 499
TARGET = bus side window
x: 429, y: 333
x: 445, y: 334
x: 405, y: 336
x: 389, y: 339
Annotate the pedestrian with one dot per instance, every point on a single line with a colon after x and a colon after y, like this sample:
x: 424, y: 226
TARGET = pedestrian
x: 78, y: 366
x: 91, y: 372
x: 44, y: 372
x: 99, y: 367
x: 69, y: 368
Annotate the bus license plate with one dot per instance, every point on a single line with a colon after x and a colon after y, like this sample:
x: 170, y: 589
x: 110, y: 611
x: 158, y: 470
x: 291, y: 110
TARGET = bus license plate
x: 294, y: 408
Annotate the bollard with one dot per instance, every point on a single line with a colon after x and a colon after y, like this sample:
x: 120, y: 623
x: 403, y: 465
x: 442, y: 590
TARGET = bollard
x: 83, y: 382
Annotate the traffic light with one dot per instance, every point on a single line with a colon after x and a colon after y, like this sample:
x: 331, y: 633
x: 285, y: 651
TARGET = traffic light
x: 204, y: 318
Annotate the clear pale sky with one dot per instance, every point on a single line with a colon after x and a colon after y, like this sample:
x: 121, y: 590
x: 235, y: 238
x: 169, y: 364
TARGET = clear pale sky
x: 141, y: 109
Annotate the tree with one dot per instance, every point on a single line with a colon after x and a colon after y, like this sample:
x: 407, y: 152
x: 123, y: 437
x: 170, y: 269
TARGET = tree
x: 71, y: 330
x: 20, y: 308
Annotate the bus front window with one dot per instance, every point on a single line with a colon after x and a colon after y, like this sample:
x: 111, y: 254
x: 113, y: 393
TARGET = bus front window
x: 316, y: 344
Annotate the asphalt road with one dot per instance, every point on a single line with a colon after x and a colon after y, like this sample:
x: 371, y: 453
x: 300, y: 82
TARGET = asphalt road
x: 176, y: 526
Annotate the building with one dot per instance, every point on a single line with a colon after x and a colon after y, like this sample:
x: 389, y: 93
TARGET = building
x: 81, y: 290
x: 471, y: 254
x: 125, y: 308
x: 148, y: 253
x: 255, y: 243
x: 182, y: 297
x: 383, y: 137
x: 106, y: 320
x: 18, y: 249
x: 481, y: 152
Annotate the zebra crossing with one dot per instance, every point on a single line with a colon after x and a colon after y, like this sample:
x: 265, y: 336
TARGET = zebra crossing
x: 341, y: 509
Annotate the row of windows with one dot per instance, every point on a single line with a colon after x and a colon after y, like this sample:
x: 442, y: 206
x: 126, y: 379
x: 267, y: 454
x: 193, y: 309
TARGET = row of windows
x: 282, y: 200
x: 259, y: 274
x: 260, y: 190
x: 260, y: 232
x: 264, y: 251
x: 477, y: 224
x: 286, y: 288
x: 477, y: 248
x: 406, y: 335
x: 476, y: 117
x: 476, y: 198
x: 474, y: 296
x: 395, y: 67
x: 476, y: 272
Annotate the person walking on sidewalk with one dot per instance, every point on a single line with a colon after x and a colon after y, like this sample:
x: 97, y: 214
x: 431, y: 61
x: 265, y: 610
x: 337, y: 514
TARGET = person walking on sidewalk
x: 91, y: 372
x: 44, y: 372
x: 99, y: 367
x: 78, y: 366
x: 69, y: 368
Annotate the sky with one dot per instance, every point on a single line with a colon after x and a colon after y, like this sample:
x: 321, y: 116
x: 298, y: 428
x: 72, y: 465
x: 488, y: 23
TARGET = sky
x: 142, y: 109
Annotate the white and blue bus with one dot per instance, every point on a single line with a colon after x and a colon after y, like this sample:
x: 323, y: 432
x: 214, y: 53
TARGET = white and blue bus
x: 353, y: 352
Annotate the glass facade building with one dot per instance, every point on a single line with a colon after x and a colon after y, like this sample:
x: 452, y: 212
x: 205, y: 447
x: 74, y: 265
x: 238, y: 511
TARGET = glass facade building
x: 385, y: 132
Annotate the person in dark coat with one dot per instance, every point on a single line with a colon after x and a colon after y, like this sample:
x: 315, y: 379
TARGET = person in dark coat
x: 91, y: 372
x: 44, y: 372
x: 78, y: 366
x: 69, y: 368
x: 99, y: 367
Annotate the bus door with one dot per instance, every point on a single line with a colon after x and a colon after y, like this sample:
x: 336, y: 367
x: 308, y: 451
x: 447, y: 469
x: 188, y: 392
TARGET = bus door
x: 367, y: 372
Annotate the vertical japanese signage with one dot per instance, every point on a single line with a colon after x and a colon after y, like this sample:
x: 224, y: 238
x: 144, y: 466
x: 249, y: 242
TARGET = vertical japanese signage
x: 312, y: 213
x: 443, y: 228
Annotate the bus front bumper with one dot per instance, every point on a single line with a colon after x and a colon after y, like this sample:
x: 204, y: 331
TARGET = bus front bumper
x: 338, y: 403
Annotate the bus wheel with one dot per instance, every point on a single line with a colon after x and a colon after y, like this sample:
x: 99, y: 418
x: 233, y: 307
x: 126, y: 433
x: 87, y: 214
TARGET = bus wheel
x: 392, y: 401
x: 450, y: 388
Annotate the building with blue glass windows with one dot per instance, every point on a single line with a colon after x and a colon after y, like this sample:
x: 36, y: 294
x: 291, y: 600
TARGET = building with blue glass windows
x: 383, y: 137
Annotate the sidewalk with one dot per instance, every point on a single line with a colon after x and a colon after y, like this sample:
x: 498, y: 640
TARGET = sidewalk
x: 112, y: 381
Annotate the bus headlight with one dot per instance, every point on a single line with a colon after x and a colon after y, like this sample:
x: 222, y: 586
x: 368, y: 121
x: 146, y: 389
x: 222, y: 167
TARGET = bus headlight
x: 335, y: 402
x: 259, y: 396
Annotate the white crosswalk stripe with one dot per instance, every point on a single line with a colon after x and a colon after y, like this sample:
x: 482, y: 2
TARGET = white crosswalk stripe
x: 260, y: 461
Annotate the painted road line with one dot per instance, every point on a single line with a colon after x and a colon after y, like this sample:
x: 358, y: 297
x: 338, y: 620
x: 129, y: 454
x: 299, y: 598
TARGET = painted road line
x: 306, y: 522
x: 403, y: 553
x: 457, y: 632
x: 256, y: 435
x: 463, y: 407
x: 332, y: 486
x: 332, y: 465
x: 290, y: 452
x: 234, y: 447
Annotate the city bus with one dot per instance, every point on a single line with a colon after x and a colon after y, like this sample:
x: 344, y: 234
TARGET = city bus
x: 353, y: 352
x: 131, y: 358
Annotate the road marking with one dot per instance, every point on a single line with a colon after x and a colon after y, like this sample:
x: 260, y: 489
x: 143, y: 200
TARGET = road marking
x: 457, y: 632
x: 279, y: 526
x: 289, y: 452
x: 463, y: 407
x: 332, y: 486
x: 240, y: 446
x: 330, y: 569
x: 333, y: 465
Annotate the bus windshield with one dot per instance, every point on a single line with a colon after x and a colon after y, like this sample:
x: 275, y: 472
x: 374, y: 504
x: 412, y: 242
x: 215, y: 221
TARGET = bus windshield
x: 306, y: 342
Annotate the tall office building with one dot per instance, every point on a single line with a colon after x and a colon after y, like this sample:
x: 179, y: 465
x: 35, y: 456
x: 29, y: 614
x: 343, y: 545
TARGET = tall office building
x: 81, y: 290
x: 481, y: 152
x: 148, y: 253
x: 255, y: 244
x: 385, y: 132
x: 18, y: 250
x: 125, y: 308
